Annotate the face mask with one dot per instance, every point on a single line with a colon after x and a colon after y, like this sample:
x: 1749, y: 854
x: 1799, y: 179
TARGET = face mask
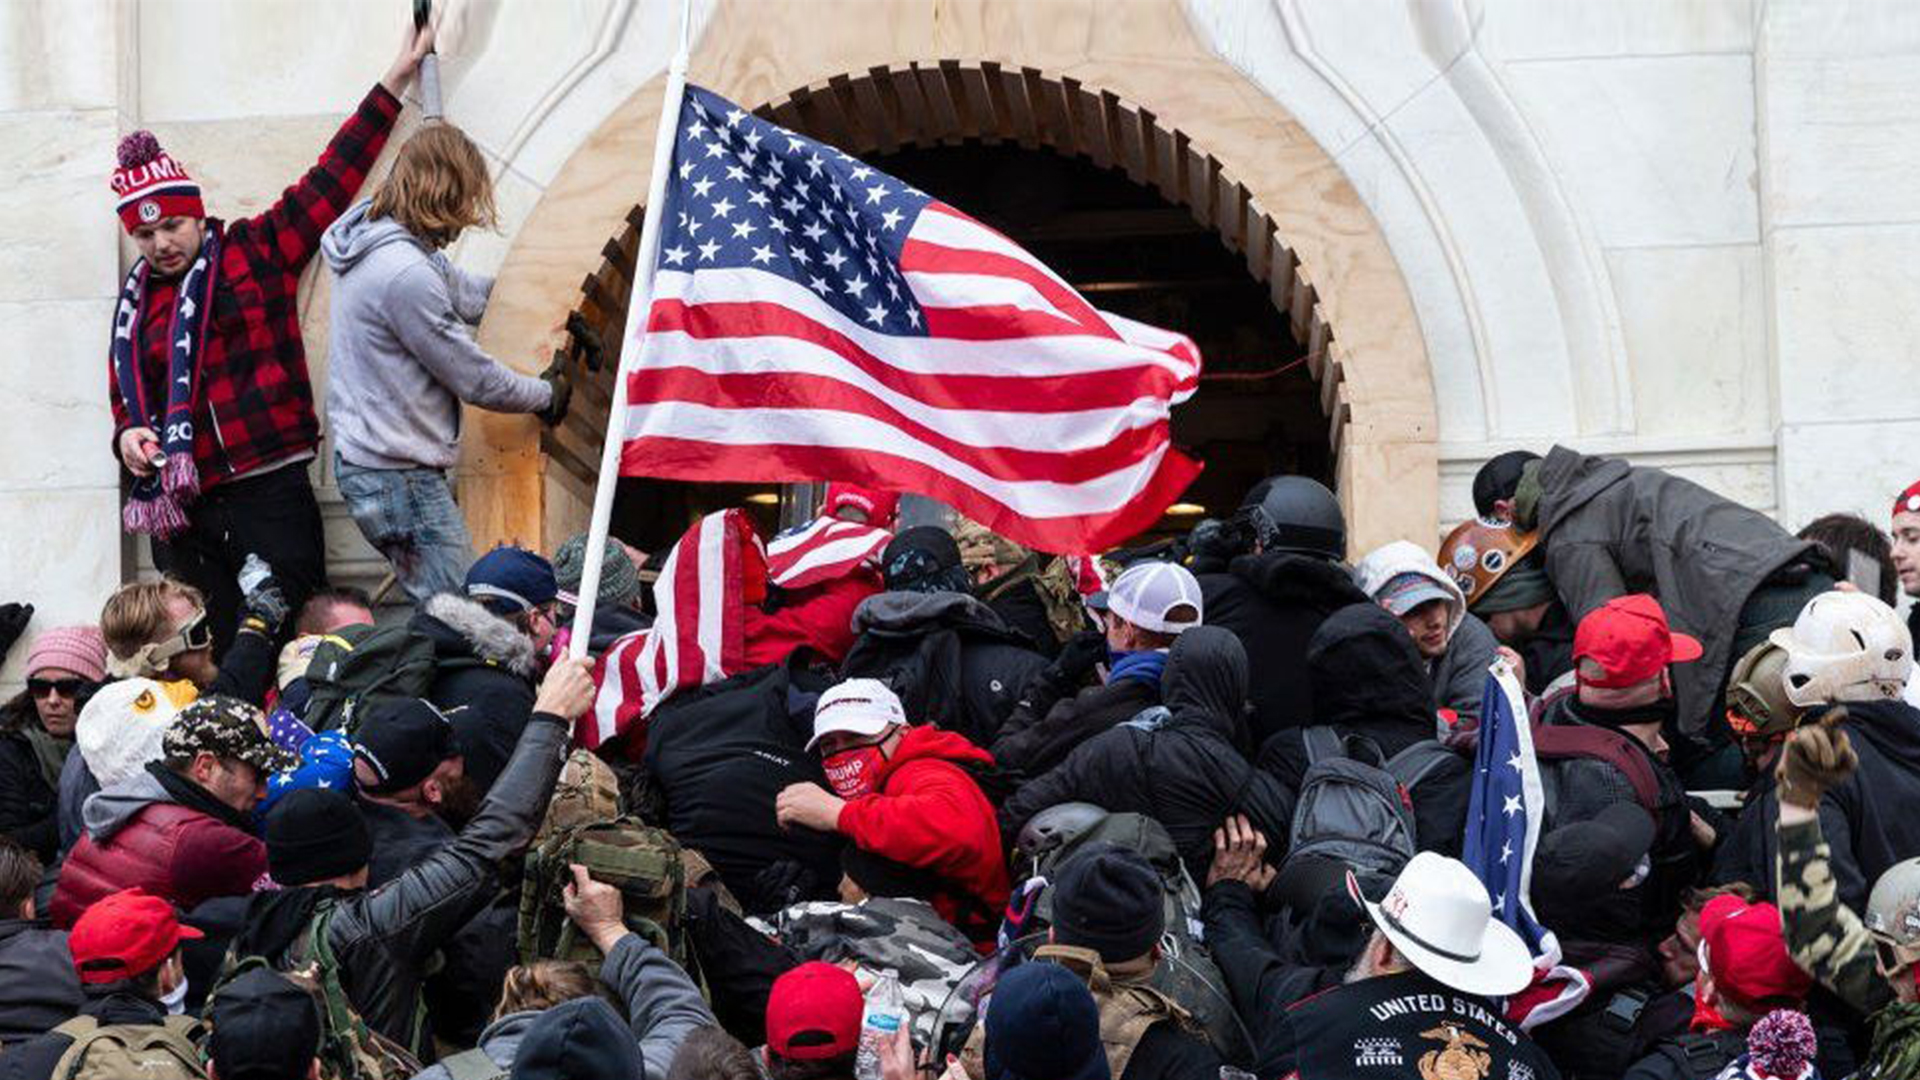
x: 176, y: 1001
x: 1660, y: 712
x: 853, y: 773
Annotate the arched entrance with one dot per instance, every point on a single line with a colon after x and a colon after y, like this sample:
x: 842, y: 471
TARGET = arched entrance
x: 1203, y: 142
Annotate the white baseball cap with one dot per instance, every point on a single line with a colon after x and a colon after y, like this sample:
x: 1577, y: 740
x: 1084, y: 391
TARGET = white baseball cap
x: 1145, y: 593
x: 1439, y: 917
x: 857, y: 707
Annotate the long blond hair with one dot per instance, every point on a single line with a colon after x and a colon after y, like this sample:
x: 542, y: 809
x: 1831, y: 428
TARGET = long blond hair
x: 438, y: 187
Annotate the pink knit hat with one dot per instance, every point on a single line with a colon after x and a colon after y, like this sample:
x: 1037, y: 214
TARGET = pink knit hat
x: 79, y: 649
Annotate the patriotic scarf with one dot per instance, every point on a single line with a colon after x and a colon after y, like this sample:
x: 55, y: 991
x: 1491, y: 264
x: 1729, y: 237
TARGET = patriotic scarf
x: 158, y: 503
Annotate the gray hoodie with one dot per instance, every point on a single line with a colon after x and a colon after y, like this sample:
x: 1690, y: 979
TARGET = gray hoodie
x: 109, y: 810
x: 400, y: 352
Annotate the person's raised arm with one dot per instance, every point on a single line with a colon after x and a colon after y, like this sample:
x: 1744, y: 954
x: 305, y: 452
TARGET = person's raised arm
x: 292, y: 226
x: 419, y: 910
x: 663, y: 1005
x: 1823, y: 935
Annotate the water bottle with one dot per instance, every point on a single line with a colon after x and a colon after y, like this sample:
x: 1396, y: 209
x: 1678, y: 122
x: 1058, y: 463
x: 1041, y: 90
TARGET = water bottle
x: 885, y: 1013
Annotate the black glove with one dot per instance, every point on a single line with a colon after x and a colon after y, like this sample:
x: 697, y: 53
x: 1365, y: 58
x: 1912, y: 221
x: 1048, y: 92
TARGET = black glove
x: 13, y: 622
x: 556, y: 377
x: 782, y: 884
x: 1078, y: 657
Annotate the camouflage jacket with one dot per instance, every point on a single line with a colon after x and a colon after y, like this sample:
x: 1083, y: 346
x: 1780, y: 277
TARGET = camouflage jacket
x: 1825, y: 937
x: 901, y: 935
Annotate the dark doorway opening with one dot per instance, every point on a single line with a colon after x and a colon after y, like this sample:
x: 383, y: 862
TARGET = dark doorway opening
x: 1130, y: 252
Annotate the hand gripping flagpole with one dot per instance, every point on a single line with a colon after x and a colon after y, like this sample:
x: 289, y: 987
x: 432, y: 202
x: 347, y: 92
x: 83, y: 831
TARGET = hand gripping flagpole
x: 638, y: 306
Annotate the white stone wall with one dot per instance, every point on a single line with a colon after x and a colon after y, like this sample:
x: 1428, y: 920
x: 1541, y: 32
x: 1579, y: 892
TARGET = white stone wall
x: 61, y: 106
x: 1682, y: 230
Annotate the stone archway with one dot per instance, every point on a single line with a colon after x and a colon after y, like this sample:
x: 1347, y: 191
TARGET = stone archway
x: 1138, y: 94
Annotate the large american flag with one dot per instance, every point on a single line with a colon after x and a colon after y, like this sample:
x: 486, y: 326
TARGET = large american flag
x: 1503, y: 831
x: 813, y: 318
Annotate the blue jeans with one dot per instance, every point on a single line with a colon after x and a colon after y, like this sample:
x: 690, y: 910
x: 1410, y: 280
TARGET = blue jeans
x: 409, y: 516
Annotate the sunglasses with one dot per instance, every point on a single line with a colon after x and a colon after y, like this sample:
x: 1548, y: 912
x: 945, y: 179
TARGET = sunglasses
x: 66, y: 688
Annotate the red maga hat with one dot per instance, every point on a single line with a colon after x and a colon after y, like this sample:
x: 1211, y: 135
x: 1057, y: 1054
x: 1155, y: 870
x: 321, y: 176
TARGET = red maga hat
x: 125, y: 935
x: 1629, y: 638
x: 813, y: 1013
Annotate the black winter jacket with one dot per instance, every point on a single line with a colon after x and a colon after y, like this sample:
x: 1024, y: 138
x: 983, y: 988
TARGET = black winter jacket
x: 384, y: 938
x: 1180, y: 764
x: 1577, y: 789
x: 38, y: 987
x: 721, y: 754
x: 1869, y: 822
x: 28, y: 804
x: 1030, y: 744
x: 1274, y: 602
x: 485, y: 683
x: 954, y: 662
x: 1368, y: 680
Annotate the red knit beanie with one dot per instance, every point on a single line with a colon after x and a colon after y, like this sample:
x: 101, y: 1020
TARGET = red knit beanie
x: 1909, y: 500
x: 150, y: 185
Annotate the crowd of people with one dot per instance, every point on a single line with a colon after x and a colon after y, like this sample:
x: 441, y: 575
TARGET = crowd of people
x: 948, y: 806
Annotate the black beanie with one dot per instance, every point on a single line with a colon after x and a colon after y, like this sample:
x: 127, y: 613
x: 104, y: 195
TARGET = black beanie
x: 1109, y: 899
x: 1498, y: 478
x: 315, y: 834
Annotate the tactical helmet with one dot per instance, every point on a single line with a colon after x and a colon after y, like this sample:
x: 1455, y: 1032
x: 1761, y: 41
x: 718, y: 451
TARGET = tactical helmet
x: 1480, y: 551
x: 1757, y: 705
x: 1299, y: 515
x: 1893, y: 916
x: 1056, y: 826
x: 1845, y: 646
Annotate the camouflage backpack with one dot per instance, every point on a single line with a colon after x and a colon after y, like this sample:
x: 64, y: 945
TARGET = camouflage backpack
x: 647, y: 866
x: 163, y: 1051
x: 349, y: 1049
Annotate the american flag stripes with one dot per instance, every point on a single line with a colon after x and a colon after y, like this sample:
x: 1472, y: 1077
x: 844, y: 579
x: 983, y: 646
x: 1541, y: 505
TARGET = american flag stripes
x: 822, y: 550
x: 1503, y: 831
x: 813, y: 318
x: 699, y: 634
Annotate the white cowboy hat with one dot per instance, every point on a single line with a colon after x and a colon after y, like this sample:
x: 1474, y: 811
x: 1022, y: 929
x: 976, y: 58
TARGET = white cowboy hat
x: 1439, y: 917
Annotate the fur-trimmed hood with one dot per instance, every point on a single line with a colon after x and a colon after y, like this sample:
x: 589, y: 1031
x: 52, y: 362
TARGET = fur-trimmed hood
x: 459, y: 626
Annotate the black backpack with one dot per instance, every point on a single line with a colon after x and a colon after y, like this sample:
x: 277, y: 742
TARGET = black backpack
x: 359, y: 665
x: 1355, y: 804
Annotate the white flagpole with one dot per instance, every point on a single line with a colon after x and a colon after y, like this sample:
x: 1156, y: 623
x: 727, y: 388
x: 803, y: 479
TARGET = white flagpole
x: 638, y: 305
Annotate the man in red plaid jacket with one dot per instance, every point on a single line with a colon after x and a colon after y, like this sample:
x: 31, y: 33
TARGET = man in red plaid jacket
x: 212, y: 404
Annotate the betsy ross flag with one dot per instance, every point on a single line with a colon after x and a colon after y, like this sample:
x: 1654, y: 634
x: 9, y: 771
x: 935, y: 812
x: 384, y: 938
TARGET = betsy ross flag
x: 699, y: 634
x: 813, y: 318
x: 1503, y: 831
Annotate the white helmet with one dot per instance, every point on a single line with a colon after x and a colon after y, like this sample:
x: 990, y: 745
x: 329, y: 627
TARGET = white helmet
x: 1845, y: 646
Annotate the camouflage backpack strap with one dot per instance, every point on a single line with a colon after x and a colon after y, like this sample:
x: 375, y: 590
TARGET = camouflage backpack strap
x: 541, y: 888
x: 349, y: 1049
x: 1127, y: 1008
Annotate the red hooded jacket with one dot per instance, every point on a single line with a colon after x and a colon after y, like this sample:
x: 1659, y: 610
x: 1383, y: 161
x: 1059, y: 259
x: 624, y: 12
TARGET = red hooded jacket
x: 928, y: 813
